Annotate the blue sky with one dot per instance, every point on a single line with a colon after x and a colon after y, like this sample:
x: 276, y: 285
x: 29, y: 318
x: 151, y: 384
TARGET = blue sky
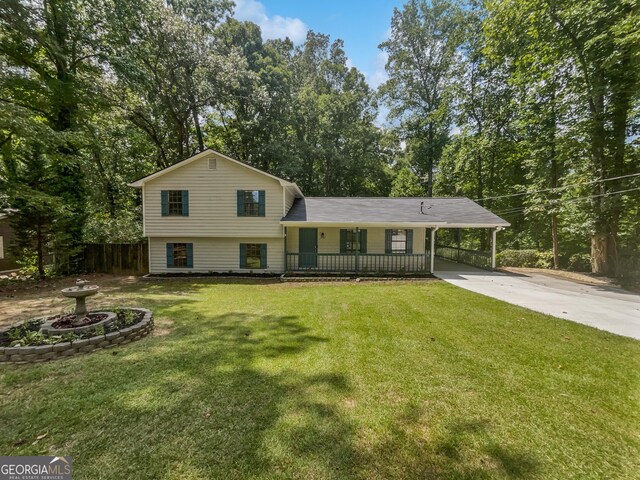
x: 361, y: 24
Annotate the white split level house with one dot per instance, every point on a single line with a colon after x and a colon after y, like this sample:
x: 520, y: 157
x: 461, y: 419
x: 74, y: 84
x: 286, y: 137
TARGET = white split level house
x: 211, y: 213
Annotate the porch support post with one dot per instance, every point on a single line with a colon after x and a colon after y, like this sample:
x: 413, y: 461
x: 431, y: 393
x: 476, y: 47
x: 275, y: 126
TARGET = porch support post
x: 433, y: 248
x: 357, y: 249
x: 493, y: 246
x: 286, y: 260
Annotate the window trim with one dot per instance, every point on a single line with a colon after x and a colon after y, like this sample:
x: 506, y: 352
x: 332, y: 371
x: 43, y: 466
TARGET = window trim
x: 1, y: 247
x: 171, y: 254
x: 260, y: 249
x: 247, y: 206
x: 175, y: 205
x: 251, y: 207
x: 171, y: 199
x: 351, y: 245
x: 395, y: 251
x: 389, y: 235
x: 358, y: 242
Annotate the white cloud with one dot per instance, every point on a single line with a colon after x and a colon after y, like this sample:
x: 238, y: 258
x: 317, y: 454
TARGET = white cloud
x: 275, y: 26
x: 379, y: 74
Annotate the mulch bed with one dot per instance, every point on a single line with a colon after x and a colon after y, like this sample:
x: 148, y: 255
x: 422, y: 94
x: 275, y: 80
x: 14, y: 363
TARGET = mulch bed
x: 71, y: 321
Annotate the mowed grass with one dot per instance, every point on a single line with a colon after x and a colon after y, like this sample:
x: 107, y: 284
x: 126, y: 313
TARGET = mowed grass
x: 338, y: 381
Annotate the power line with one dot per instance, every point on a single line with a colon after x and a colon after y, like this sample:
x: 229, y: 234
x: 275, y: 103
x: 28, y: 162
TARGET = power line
x: 577, y: 199
x: 522, y: 209
x: 540, y: 191
x: 558, y: 188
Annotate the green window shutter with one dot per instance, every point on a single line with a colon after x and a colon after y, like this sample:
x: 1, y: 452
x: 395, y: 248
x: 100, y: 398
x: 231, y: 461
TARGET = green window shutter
x: 185, y: 203
x: 243, y: 255
x: 363, y: 241
x: 169, y: 255
x: 409, y: 241
x: 164, y: 195
x: 263, y: 255
x: 388, y: 235
x: 240, y: 194
x: 262, y: 205
x: 189, y: 255
x: 343, y: 240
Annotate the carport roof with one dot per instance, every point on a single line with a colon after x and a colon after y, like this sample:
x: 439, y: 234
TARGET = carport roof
x: 453, y: 212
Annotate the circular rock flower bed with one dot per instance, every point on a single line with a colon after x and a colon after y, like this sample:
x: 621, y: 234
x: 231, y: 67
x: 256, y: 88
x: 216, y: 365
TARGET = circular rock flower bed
x: 58, y: 336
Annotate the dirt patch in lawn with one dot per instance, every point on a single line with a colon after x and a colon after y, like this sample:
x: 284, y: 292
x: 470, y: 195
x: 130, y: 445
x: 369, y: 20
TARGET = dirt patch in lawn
x: 23, y: 300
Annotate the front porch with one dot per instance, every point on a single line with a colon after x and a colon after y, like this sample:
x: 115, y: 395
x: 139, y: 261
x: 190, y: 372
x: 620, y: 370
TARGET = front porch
x: 366, y: 263
x: 374, y: 251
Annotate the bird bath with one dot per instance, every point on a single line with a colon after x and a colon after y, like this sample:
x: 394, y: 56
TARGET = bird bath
x: 80, y: 292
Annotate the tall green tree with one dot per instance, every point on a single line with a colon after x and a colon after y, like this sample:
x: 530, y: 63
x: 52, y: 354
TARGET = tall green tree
x: 596, y: 41
x: 167, y: 71
x: 50, y: 58
x: 406, y: 184
x: 422, y: 63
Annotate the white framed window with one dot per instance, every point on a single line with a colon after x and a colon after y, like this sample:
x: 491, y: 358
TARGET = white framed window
x: 399, y: 241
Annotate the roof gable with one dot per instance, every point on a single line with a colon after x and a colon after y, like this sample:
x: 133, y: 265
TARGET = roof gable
x: 205, y: 154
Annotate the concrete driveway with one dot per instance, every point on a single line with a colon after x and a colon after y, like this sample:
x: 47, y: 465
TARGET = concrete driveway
x: 604, y: 307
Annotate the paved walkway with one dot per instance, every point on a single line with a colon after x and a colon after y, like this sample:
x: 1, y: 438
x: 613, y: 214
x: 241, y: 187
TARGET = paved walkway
x: 600, y: 306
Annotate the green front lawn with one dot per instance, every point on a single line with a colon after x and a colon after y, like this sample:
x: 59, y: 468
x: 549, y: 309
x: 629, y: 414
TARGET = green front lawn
x: 369, y: 381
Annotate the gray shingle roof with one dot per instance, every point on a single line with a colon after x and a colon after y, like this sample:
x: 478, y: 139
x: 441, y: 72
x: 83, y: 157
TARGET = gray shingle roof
x: 444, y: 210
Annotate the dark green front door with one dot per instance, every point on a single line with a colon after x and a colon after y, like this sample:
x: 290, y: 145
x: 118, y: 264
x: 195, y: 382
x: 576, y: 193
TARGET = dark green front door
x: 308, y: 248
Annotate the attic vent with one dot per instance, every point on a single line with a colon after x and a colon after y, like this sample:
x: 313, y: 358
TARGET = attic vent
x: 212, y: 164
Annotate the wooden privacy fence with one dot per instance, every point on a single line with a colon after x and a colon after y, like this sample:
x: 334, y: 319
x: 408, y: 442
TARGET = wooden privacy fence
x: 120, y: 258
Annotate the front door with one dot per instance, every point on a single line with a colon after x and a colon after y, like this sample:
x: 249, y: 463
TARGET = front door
x: 308, y: 248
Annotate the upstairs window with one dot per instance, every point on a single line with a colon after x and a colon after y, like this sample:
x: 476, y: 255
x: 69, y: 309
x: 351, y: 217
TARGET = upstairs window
x: 175, y: 203
x: 251, y: 203
x: 398, y: 241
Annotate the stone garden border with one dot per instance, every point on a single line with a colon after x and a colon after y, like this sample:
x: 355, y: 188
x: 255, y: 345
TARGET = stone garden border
x: 48, y: 330
x: 44, y: 353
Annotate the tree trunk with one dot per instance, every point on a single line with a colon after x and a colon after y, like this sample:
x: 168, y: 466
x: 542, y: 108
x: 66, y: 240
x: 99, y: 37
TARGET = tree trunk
x: 430, y: 163
x: 196, y: 122
x: 40, y: 253
x: 600, y: 238
x: 554, y: 240
x: 194, y: 109
x: 603, y: 250
x: 554, y: 184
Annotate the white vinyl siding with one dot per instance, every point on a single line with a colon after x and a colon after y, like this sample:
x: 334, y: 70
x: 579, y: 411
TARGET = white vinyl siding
x: 215, y: 254
x: 213, y: 202
x: 331, y: 241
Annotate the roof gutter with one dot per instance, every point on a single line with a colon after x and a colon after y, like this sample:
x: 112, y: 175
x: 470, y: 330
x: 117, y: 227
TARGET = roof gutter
x: 290, y: 223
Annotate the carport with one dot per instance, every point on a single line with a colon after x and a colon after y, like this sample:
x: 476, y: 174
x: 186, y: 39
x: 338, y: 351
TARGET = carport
x: 445, y: 255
